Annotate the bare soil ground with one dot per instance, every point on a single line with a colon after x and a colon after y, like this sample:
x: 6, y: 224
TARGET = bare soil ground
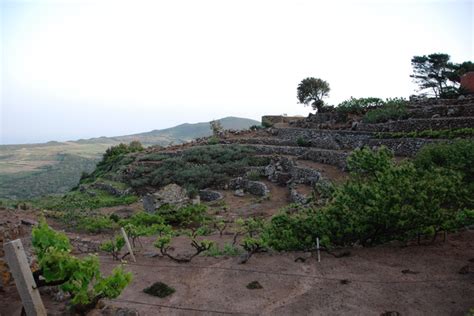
x: 412, y: 280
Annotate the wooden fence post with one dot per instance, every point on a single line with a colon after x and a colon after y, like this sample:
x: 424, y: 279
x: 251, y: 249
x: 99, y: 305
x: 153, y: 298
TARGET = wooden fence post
x: 317, y: 246
x: 20, y: 269
x: 127, y: 242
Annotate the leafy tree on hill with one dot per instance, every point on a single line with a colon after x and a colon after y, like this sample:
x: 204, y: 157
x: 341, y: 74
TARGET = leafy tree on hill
x: 311, y: 91
x: 216, y: 128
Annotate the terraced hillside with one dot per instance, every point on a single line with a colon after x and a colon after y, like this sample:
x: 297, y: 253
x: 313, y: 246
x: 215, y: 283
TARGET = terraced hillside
x: 317, y: 147
x: 232, y: 222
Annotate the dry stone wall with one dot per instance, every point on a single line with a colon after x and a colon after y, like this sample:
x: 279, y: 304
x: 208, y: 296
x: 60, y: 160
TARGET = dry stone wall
x: 418, y: 125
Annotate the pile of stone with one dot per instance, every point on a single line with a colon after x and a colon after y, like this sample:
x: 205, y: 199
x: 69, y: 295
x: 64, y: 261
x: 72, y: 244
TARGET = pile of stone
x: 172, y: 194
x: 253, y: 187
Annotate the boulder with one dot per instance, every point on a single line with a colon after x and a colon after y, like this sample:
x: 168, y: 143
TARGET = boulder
x: 282, y: 178
x: 209, y: 196
x: 149, y: 203
x: 124, y: 213
x: 110, y: 189
x: 257, y: 188
x: 239, y: 193
x: 171, y: 194
x: 238, y: 183
x: 253, y: 187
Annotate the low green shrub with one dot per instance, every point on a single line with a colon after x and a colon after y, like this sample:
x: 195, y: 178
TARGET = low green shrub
x: 113, y: 246
x: 213, y: 140
x: 358, y: 105
x: 254, y: 285
x: 255, y: 127
x: 302, y: 142
x: 457, y: 156
x: 253, y: 175
x: 97, y: 224
x: 393, y: 109
x: 296, y: 231
x: 76, y: 200
x: 384, y: 201
x: 115, y: 157
x: 228, y: 250
x: 189, y: 215
x: 152, y: 157
x: 159, y: 289
x: 267, y: 124
x: 206, y: 166
x: 80, y: 277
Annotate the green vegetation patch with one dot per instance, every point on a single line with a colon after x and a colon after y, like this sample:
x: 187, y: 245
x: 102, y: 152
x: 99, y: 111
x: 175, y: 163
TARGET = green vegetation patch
x: 76, y: 200
x: 254, y: 285
x: 302, y: 142
x: 384, y: 201
x: 392, y: 109
x: 200, y: 167
x: 358, y: 105
x: 80, y: 277
x: 159, y: 289
x: 55, y: 178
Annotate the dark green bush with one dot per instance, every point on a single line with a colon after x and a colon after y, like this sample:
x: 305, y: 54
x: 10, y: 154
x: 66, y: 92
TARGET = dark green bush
x: 184, y: 216
x: 159, y: 289
x: 152, y: 157
x: 303, y: 142
x: 205, y: 166
x: 457, y: 156
x: 384, y: 201
x: 255, y: 127
x: 253, y: 175
x: 266, y: 124
x: 393, y: 109
x: 76, y: 200
x: 366, y: 162
x: 114, y: 157
x: 293, y: 231
x: 358, y: 105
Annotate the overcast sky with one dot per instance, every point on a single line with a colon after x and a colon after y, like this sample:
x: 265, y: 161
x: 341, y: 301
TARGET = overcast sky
x: 80, y: 69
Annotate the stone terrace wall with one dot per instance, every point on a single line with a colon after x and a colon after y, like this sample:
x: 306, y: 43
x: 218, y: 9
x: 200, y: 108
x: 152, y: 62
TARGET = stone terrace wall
x: 442, y: 110
x: 287, y: 141
x: 418, y: 125
x: 404, y: 147
x: 330, y: 157
x: 327, y: 139
x: 446, y: 102
x: 274, y: 119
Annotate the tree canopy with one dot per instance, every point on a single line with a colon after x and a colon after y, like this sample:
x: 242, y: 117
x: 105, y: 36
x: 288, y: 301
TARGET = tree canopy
x: 311, y: 91
x: 439, y: 76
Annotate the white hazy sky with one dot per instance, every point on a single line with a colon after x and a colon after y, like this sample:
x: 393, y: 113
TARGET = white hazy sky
x: 80, y: 69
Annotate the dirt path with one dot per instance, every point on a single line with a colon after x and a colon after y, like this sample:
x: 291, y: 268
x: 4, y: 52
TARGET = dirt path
x: 369, y: 282
x: 412, y: 280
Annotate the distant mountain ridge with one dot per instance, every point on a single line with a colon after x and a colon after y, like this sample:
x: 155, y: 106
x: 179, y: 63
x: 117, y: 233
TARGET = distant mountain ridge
x: 32, y: 170
x: 177, y: 134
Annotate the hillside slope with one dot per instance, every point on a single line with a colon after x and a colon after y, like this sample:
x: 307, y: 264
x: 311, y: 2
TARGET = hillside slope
x: 32, y: 170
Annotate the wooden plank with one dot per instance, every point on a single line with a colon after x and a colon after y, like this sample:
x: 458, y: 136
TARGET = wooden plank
x: 317, y: 246
x: 20, y: 269
x: 127, y: 243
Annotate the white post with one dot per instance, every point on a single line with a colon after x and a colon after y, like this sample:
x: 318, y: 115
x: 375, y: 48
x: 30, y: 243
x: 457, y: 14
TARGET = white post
x: 317, y: 247
x: 127, y: 242
x: 20, y: 269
